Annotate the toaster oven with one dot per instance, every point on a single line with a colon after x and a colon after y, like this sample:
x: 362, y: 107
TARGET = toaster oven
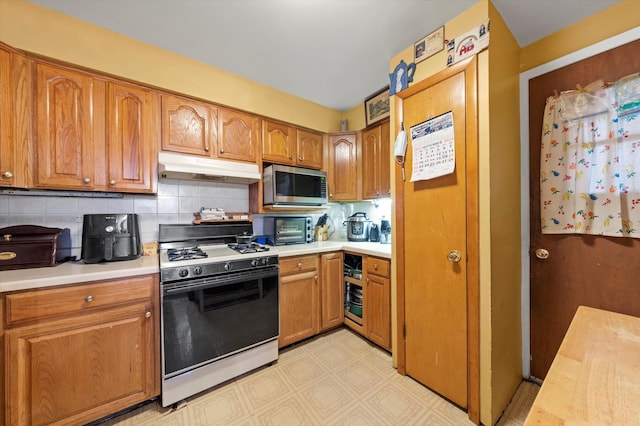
x: 288, y: 229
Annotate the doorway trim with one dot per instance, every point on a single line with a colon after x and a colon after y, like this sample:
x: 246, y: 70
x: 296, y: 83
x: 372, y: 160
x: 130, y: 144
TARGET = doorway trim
x: 578, y: 55
x: 470, y: 68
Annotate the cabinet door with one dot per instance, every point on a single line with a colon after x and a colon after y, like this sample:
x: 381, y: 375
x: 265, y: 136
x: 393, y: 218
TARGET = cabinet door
x: 188, y: 126
x: 131, y: 138
x: 385, y: 160
x: 331, y: 291
x: 309, y: 149
x: 371, y: 162
x: 278, y: 145
x: 7, y: 143
x: 378, y: 310
x: 298, y: 307
x: 69, y: 122
x: 342, y: 173
x: 80, y: 369
x: 238, y: 135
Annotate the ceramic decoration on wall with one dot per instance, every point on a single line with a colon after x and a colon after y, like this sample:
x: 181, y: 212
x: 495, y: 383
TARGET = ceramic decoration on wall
x: 468, y: 44
x: 401, y: 77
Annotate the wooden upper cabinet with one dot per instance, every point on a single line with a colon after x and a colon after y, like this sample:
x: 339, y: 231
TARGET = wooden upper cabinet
x: 7, y: 146
x: 238, y: 136
x: 385, y: 157
x: 278, y: 144
x: 285, y: 144
x: 132, y: 134
x: 69, y: 123
x: 188, y: 126
x: 375, y: 162
x: 309, y: 149
x: 342, y: 172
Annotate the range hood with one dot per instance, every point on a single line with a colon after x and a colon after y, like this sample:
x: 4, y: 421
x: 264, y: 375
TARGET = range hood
x: 176, y: 166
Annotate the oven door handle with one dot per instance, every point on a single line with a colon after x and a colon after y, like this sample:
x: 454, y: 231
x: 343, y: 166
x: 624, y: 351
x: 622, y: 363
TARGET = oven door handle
x: 219, y: 280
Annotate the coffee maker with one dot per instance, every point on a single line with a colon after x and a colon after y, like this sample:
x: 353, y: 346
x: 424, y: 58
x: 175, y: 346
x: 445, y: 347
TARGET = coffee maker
x: 385, y: 231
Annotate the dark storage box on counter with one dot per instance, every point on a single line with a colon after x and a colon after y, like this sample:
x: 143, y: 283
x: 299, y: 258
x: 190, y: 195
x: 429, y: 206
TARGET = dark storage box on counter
x: 32, y: 246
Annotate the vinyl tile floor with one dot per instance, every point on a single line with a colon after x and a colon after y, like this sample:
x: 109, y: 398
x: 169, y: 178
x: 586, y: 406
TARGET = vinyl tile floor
x: 337, y: 378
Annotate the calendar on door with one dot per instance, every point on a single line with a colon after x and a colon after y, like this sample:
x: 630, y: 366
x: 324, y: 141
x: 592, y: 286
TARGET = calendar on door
x: 433, y: 148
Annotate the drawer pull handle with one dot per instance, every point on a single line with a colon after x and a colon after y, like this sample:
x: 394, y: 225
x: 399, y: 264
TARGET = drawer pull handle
x: 147, y: 314
x: 7, y: 255
x: 89, y: 299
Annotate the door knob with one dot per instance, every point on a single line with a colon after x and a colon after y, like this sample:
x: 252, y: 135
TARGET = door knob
x: 454, y: 256
x: 542, y: 253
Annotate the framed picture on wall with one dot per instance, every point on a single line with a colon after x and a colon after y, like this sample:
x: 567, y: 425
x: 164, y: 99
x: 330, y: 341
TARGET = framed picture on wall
x: 376, y: 107
x: 429, y: 45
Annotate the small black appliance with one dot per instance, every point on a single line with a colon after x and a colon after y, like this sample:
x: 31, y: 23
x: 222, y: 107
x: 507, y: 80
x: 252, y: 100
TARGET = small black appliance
x: 374, y: 233
x: 110, y: 238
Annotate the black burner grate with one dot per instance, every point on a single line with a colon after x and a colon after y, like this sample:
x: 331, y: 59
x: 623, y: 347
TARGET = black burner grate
x: 186, y: 254
x: 248, y: 248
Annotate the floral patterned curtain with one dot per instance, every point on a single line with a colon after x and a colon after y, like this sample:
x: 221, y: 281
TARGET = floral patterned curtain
x: 590, y: 159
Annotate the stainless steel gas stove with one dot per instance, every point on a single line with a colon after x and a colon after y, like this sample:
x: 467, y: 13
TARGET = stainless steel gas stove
x: 219, y: 306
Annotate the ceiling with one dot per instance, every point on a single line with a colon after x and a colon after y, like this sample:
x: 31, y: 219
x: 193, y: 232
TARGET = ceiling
x: 332, y: 52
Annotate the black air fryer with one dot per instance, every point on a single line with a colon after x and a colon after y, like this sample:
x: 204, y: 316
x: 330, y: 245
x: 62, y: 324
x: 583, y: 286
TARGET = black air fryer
x: 110, y: 238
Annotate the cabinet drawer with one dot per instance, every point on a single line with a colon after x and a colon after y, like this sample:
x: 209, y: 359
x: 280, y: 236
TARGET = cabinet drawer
x: 378, y: 266
x: 297, y: 264
x: 38, y: 304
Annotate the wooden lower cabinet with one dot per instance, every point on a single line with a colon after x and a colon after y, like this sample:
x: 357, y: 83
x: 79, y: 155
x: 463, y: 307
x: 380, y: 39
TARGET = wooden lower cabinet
x: 377, y: 304
x: 331, y: 291
x: 298, y: 298
x: 311, y: 296
x: 81, y: 360
x: 375, y: 322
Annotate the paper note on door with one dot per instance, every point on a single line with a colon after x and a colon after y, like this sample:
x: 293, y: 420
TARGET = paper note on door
x: 433, y: 148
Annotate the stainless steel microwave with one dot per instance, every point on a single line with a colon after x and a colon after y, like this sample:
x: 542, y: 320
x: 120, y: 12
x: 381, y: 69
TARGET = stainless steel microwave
x: 287, y: 185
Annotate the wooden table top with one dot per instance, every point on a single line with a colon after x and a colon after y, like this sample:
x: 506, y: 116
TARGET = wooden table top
x: 595, y: 376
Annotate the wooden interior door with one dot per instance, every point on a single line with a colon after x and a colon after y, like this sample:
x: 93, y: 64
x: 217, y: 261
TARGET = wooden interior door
x: 437, y: 296
x: 581, y: 270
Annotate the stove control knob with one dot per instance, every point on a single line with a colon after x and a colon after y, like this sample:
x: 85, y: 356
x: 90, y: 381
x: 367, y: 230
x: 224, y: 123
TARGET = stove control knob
x: 255, y: 262
x: 197, y: 270
x: 265, y: 260
x: 227, y: 266
x: 183, y: 272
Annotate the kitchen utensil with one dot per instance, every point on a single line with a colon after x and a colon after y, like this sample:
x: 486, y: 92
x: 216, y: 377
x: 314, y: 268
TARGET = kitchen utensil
x: 244, y: 239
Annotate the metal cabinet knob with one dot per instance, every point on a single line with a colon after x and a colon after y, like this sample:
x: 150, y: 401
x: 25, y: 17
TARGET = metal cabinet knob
x: 86, y: 180
x: 300, y: 159
x: 112, y: 182
x: 290, y: 157
x: 221, y: 150
x: 7, y: 175
x: 299, y: 265
x: 206, y: 148
x: 454, y: 256
x: 89, y: 299
x: 542, y: 253
x: 147, y: 314
x: 375, y: 266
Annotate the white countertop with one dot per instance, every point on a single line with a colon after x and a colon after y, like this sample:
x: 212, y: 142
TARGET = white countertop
x: 373, y: 249
x: 75, y: 272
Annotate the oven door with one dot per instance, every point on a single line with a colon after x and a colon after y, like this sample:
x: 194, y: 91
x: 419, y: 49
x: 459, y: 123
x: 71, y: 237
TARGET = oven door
x: 207, y: 319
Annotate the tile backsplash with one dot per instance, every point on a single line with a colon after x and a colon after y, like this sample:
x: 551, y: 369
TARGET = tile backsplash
x: 175, y: 202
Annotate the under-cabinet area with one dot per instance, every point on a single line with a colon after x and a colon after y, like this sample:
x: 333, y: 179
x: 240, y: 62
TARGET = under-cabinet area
x: 367, y: 297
